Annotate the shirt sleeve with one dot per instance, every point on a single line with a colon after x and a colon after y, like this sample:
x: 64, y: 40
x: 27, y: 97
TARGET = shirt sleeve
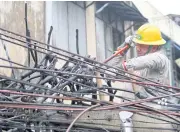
x: 116, y: 61
x: 151, y: 61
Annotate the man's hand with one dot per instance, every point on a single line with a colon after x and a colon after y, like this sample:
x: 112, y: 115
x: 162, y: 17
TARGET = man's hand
x: 128, y: 41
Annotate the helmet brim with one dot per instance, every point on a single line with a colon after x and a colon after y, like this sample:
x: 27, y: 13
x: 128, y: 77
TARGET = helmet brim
x: 159, y: 42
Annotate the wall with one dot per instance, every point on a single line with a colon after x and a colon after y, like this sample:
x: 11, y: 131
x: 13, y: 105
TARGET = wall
x: 66, y: 17
x: 12, y: 18
x: 91, y: 28
x: 100, y: 39
x: 109, y: 33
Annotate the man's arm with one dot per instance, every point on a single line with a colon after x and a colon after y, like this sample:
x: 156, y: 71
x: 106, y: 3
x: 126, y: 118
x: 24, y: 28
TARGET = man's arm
x: 116, y: 61
x: 151, y: 61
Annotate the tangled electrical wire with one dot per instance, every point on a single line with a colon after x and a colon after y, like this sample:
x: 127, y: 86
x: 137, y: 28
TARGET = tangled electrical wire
x: 59, y: 83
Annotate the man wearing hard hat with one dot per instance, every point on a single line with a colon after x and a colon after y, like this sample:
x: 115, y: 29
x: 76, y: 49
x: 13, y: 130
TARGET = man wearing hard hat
x: 151, y: 62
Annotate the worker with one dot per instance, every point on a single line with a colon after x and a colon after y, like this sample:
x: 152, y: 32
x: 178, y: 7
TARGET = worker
x: 151, y: 62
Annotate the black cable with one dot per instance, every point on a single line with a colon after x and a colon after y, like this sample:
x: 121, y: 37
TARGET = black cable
x: 7, y: 55
x: 12, y: 62
x: 56, y: 128
x: 151, y: 109
x: 55, y: 91
x: 64, y: 78
x: 90, y: 63
x: 81, y: 75
x: 59, y: 129
x: 34, y: 77
x: 35, y: 56
x: 28, y: 35
x: 129, y: 91
x: 30, y: 72
x: 49, y: 36
x: 11, y: 42
x: 91, y: 87
x: 45, y: 104
x: 73, y: 54
x: 76, y: 55
x: 29, y: 79
x: 77, y: 41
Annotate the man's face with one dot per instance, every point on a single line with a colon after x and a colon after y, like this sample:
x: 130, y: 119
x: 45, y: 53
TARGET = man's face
x: 143, y: 49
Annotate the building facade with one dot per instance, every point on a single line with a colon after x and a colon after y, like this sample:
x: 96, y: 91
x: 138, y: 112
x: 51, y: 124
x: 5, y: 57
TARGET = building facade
x: 102, y: 26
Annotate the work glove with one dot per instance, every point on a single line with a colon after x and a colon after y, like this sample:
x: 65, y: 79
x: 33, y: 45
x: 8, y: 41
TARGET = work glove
x: 116, y: 61
x: 128, y: 41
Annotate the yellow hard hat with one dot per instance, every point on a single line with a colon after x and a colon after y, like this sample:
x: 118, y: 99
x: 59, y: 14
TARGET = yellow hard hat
x: 149, y: 34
